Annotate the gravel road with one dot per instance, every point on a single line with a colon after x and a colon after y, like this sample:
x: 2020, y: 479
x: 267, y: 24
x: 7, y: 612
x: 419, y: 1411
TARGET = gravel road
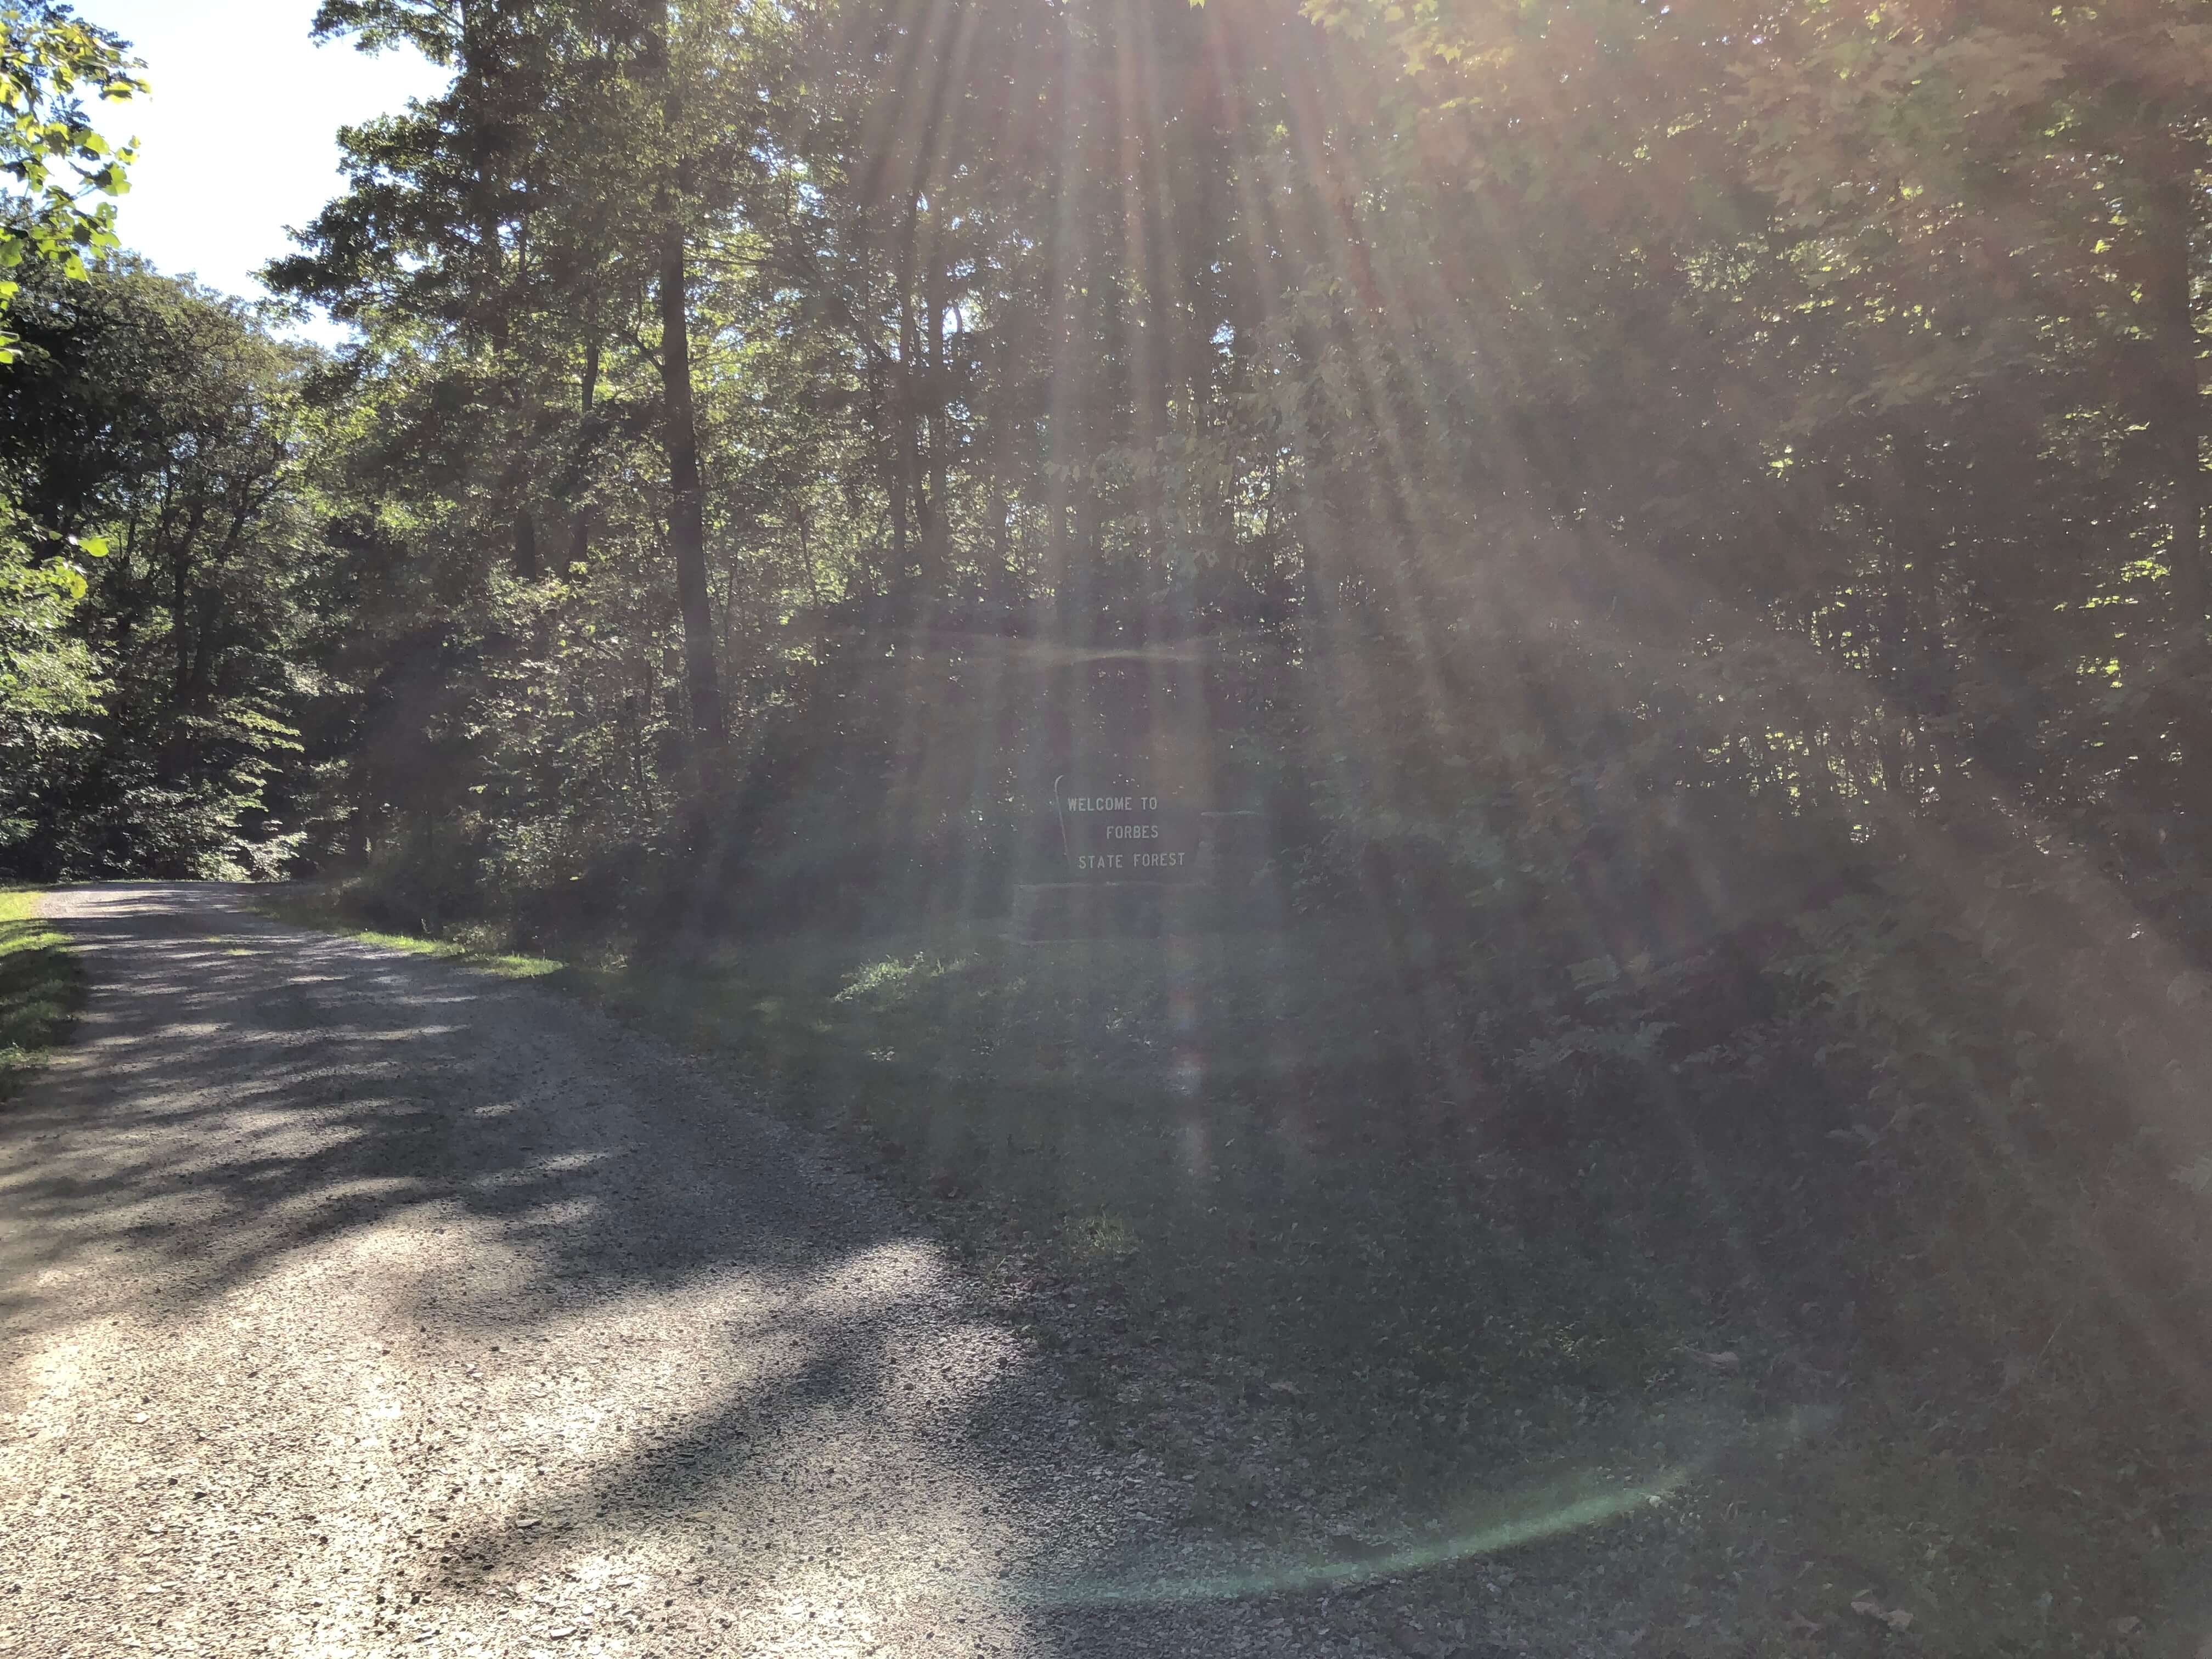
x: 355, y: 1303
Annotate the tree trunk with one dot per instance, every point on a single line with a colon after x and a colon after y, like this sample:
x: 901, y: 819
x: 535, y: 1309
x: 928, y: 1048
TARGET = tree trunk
x: 478, y: 73
x: 935, y: 553
x: 579, y: 515
x: 881, y: 422
x: 526, y: 544
x: 687, y: 511
x: 359, y: 829
x: 897, y: 583
x: 180, y: 574
x: 906, y: 415
x: 2180, y: 416
x: 180, y: 636
x: 1003, y: 579
x: 686, y: 508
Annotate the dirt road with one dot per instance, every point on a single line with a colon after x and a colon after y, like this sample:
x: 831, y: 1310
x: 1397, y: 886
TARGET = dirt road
x: 353, y: 1303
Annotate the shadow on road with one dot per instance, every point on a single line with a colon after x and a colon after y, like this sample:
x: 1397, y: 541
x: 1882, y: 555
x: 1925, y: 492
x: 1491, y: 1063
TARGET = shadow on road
x: 573, y: 1302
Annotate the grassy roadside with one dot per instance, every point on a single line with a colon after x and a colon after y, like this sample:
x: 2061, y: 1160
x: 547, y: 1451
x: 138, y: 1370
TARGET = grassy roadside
x: 41, y: 987
x: 1342, y: 1306
x: 324, y: 910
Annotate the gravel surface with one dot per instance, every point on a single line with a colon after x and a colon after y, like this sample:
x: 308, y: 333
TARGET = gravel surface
x: 356, y: 1303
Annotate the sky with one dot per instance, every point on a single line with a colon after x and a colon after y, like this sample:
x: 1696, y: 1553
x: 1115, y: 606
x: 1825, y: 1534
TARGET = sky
x: 239, y: 137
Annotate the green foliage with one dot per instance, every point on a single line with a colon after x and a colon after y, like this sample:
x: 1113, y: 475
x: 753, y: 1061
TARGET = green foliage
x: 50, y: 60
x: 335, y: 908
x: 1562, y: 512
x: 152, y: 692
x: 46, y: 674
x: 41, y: 987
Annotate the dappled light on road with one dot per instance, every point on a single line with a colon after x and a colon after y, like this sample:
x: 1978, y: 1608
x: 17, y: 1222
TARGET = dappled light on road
x: 352, y: 1300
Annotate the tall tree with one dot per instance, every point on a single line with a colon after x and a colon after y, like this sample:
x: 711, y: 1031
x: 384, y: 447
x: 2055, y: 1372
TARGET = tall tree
x: 588, y: 153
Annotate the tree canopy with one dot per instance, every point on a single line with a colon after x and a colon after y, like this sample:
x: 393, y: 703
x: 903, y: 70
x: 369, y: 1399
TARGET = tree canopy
x: 61, y: 164
x: 1493, y: 443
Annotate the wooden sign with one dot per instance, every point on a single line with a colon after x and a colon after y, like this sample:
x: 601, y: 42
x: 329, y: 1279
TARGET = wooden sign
x: 1121, y: 833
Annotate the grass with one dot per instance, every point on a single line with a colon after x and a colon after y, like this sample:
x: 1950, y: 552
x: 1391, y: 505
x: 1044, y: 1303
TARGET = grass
x: 41, y: 987
x: 1191, y: 1142
x: 1194, y: 1139
x: 324, y: 910
x: 1231, y: 1180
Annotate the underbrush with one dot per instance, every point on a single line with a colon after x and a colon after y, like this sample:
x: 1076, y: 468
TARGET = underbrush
x: 1318, y: 1220
x: 337, y: 907
x: 41, y: 987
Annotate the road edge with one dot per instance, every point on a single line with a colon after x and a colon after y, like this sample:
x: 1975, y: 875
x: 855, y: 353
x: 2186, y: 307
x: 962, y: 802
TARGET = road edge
x: 43, y: 987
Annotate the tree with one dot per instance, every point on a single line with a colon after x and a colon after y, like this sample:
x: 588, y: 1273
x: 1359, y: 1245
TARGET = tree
x: 556, y: 199
x: 49, y: 62
x: 166, y: 422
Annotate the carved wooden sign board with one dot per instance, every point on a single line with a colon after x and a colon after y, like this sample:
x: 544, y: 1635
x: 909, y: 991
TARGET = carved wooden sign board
x: 1120, y: 832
